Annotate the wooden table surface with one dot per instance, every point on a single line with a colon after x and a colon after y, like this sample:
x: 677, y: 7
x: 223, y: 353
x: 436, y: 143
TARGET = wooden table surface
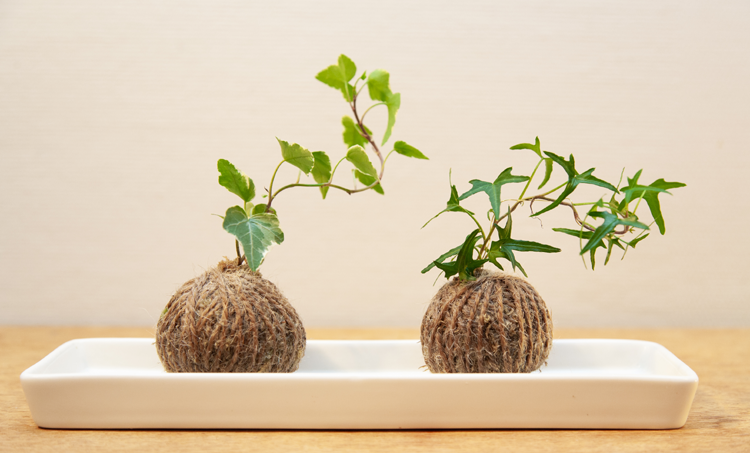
x: 719, y: 419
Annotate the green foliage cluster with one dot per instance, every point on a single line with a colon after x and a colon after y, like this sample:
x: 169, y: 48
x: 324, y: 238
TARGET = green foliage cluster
x: 256, y: 226
x: 605, y: 224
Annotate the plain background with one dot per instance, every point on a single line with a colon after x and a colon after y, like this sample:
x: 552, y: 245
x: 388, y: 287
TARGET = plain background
x: 113, y: 115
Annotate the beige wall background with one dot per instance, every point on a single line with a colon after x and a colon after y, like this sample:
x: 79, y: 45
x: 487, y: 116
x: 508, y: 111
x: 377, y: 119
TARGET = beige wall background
x: 113, y: 114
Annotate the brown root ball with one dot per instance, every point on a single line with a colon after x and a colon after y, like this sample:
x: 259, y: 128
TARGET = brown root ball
x: 230, y: 319
x: 497, y: 323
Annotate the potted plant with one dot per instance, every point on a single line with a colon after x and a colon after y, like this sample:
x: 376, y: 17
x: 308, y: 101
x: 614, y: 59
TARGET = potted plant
x: 484, y: 321
x: 230, y: 318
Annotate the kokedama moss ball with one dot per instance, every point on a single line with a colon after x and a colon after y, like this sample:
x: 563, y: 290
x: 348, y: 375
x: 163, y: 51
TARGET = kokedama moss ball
x: 230, y: 319
x: 497, y: 323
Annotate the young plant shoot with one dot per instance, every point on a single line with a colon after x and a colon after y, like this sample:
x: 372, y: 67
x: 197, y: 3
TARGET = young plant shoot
x: 608, y: 222
x: 231, y: 319
x: 484, y: 321
x: 256, y: 227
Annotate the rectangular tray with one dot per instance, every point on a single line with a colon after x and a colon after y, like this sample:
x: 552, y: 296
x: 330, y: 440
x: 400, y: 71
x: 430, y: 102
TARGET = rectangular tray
x: 363, y: 384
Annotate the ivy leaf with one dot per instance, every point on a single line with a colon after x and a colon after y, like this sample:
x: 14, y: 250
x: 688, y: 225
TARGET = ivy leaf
x: 378, y: 85
x: 493, y: 189
x: 453, y: 205
x: 611, y: 221
x: 357, y: 156
x: 352, y: 134
x: 297, y: 156
x: 393, y: 103
x: 235, y: 181
x: 535, y: 147
x: 584, y: 235
x: 465, y: 264
x: 321, y: 171
x: 637, y: 240
x: 443, y: 257
x: 650, y: 193
x: 574, y: 179
x: 256, y: 233
x: 505, y: 246
x: 547, y: 171
x: 407, y: 150
x: 368, y: 180
x: 338, y: 76
x: 261, y: 209
x: 652, y: 198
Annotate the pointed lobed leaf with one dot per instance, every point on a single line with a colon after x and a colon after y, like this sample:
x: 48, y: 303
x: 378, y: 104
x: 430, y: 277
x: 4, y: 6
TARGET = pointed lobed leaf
x: 368, y: 180
x: 652, y: 198
x: 297, y: 156
x: 465, y: 264
x: 321, y: 171
x: 610, y: 222
x: 453, y: 205
x: 235, y: 181
x: 352, y: 134
x: 256, y: 233
x: 568, y: 165
x: 548, y: 164
x: 407, y: 150
x: 443, y: 257
x: 357, y: 156
x: 493, y: 189
x: 588, y: 178
x: 635, y: 241
x: 536, y: 147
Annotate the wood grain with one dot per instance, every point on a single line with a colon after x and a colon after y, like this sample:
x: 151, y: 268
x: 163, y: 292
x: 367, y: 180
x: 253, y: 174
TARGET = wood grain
x: 718, y: 420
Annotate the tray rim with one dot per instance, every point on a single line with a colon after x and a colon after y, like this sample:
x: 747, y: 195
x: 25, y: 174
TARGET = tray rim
x: 36, y: 371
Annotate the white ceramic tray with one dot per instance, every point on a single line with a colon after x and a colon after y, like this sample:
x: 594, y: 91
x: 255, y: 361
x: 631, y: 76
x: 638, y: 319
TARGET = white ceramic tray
x: 119, y: 383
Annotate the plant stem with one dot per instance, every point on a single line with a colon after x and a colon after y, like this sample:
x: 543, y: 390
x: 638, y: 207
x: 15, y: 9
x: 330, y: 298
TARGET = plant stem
x: 270, y: 187
x: 528, y: 183
x: 370, y: 108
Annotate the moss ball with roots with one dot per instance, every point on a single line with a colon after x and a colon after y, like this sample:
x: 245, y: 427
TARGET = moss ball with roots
x: 230, y: 319
x: 497, y: 323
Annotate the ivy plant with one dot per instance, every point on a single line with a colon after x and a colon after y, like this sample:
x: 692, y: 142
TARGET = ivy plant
x: 256, y: 226
x: 607, y: 222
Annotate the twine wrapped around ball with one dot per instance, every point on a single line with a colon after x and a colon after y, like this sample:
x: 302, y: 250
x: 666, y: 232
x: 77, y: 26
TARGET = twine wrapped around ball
x: 497, y: 323
x: 230, y: 319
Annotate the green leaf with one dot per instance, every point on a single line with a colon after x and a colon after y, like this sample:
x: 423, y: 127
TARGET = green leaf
x: 321, y: 171
x: 453, y: 205
x: 235, y: 181
x: 574, y: 179
x: 637, y: 240
x: 297, y: 156
x: 357, y: 156
x: 378, y: 85
x: 368, y: 180
x: 465, y: 264
x: 261, y: 209
x: 587, y: 178
x: 256, y: 233
x: 407, y: 150
x: 611, y: 221
x: 393, y: 103
x: 352, y: 134
x: 338, y: 76
x: 505, y: 246
x: 650, y: 193
x: 535, y: 147
x: 493, y: 189
x: 547, y: 171
x: 443, y: 257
